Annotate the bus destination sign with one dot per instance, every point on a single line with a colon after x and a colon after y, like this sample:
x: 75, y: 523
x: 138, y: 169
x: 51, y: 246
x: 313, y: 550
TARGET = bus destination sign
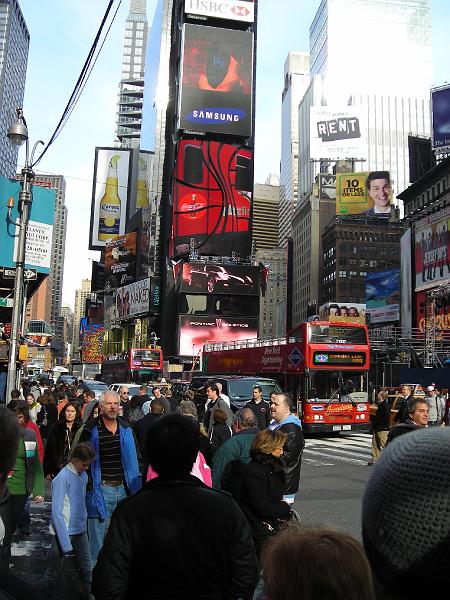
x: 339, y: 358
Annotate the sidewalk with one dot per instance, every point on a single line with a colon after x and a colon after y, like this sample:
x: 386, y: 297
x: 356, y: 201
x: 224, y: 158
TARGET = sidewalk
x: 31, y: 554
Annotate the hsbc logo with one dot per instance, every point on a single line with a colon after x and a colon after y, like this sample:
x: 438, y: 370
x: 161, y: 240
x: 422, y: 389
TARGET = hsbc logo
x: 233, y: 10
x: 240, y: 11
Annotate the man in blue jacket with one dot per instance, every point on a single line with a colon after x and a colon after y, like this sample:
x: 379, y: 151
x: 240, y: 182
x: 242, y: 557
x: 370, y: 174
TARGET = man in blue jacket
x: 114, y: 473
x: 280, y: 409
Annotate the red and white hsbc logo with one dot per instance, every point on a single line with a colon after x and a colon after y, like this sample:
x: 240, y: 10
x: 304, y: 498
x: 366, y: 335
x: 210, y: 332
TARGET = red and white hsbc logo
x: 234, y: 10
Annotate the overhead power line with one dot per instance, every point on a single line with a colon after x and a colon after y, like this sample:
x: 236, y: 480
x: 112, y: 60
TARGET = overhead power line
x: 82, y: 79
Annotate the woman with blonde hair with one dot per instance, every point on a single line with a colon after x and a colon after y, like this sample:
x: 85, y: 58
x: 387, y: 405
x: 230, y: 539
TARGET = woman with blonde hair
x: 263, y: 487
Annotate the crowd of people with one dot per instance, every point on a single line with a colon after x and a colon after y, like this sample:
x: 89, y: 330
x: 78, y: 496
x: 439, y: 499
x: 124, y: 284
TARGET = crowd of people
x: 147, y: 493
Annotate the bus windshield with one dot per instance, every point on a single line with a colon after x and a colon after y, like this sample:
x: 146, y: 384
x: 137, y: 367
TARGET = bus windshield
x: 337, y: 386
x: 143, y: 357
x: 337, y: 334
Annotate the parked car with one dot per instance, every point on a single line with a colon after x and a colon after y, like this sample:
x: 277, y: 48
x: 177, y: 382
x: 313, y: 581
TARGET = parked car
x: 96, y: 386
x: 133, y: 389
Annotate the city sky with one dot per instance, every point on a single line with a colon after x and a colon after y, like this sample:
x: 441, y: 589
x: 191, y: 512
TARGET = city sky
x: 61, y: 35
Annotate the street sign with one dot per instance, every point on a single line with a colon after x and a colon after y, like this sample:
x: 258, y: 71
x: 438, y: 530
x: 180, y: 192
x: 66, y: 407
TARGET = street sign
x: 28, y: 274
x: 8, y: 273
x: 8, y: 302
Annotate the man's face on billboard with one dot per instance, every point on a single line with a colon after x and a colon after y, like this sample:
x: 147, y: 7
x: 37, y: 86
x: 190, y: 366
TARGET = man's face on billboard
x: 379, y: 191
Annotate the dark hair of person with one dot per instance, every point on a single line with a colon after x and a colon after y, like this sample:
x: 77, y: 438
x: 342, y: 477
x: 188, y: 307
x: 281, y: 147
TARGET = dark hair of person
x: 246, y: 418
x: 74, y: 404
x: 157, y: 406
x: 318, y: 564
x: 61, y: 395
x: 50, y: 398
x: 412, y: 404
x: 143, y: 388
x: 172, y: 445
x: 258, y: 387
x: 20, y: 407
x: 336, y: 306
x: 219, y: 416
x: 83, y: 451
x: 156, y: 387
x: 9, y: 440
x: 90, y: 394
x: 15, y: 394
x: 287, y: 399
x: 135, y: 402
x: 377, y: 175
x: 213, y: 387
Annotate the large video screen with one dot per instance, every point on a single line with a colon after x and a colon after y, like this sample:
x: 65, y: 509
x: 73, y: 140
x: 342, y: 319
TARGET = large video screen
x: 201, y: 278
x: 212, y: 198
x: 194, y: 331
x: 440, y: 111
x: 432, y: 249
x: 368, y: 194
x: 217, y: 80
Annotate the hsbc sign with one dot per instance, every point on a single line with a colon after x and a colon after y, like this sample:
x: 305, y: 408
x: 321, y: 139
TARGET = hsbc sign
x: 234, y: 10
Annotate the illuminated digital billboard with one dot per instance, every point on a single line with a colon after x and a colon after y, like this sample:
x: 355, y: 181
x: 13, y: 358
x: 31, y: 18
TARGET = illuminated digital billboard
x: 202, y: 278
x: 217, y: 80
x: 195, y: 331
x: 212, y: 198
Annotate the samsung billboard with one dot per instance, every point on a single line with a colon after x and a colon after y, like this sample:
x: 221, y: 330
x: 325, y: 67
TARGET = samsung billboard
x: 217, y: 80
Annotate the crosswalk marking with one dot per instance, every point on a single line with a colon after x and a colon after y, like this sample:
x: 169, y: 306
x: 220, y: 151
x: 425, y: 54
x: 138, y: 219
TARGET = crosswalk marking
x: 350, y: 448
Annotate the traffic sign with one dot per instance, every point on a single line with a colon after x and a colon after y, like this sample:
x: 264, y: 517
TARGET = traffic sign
x: 28, y: 274
x: 8, y: 302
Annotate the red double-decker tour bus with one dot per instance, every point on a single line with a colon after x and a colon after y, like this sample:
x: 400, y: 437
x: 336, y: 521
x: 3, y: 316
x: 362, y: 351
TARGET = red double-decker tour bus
x: 137, y: 365
x: 323, y: 365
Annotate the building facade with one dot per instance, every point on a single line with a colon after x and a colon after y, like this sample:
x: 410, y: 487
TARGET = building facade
x: 310, y: 219
x: 14, y: 43
x: 392, y: 87
x: 265, y: 225
x: 296, y: 80
x: 274, y: 290
x: 352, y: 248
x: 80, y: 306
x: 131, y: 86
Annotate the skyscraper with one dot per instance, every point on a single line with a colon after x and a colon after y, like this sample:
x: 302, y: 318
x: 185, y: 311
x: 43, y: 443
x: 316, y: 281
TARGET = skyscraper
x: 296, y: 80
x: 384, y: 65
x: 80, y: 307
x: 14, y: 42
x: 265, y: 225
x: 131, y: 86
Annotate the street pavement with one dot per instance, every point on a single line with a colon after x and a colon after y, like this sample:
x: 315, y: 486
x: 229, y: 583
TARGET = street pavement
x: 334, y: 473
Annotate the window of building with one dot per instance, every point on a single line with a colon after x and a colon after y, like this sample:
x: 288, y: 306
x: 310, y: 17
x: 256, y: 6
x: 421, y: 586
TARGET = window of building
x: 342, y: 273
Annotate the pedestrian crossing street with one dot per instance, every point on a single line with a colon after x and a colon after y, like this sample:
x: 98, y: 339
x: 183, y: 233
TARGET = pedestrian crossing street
x: 354, y: 448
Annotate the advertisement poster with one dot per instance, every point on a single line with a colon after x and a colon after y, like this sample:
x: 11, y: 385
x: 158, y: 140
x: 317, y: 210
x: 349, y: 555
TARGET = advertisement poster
x: 201, y: 278
x: 442, y: 318
x: 194, y: 331
x: 368, y: 194
x: 133, y: 299
x: 327, y: 183
x: 337, y: 133
x: 212, y: 198
x: 140, y: 198
x: 343, y: 312
x: 110, y: 194
x: 406, y: 294
x: 232, y: 10
x: 120, y: 260
x: 383, y: 296
x: 39, y: 231
x: 91, y: 336
x: 432, y: 249
x: 440, y: 115
x: 217, y: 80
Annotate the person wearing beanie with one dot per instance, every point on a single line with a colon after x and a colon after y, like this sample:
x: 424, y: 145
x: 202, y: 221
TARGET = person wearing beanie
x: 418, y: 415
x: 406, y: 516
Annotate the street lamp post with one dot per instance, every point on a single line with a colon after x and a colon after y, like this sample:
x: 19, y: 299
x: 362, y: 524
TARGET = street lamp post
x: 18, y: 134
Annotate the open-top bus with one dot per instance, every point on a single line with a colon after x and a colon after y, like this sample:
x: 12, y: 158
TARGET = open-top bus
x: 323, y: 365
x: 137, y: 365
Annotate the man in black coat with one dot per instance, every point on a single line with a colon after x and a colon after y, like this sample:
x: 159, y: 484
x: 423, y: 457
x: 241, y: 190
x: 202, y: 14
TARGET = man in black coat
x: 142, y: 426
x: 260, y: 407
x: 280, y: 409
x: 202, y: 530
x: 403, y: 408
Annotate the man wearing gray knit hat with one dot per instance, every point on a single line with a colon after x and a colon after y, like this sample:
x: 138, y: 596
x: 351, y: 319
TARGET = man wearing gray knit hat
x: 406, y: 516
